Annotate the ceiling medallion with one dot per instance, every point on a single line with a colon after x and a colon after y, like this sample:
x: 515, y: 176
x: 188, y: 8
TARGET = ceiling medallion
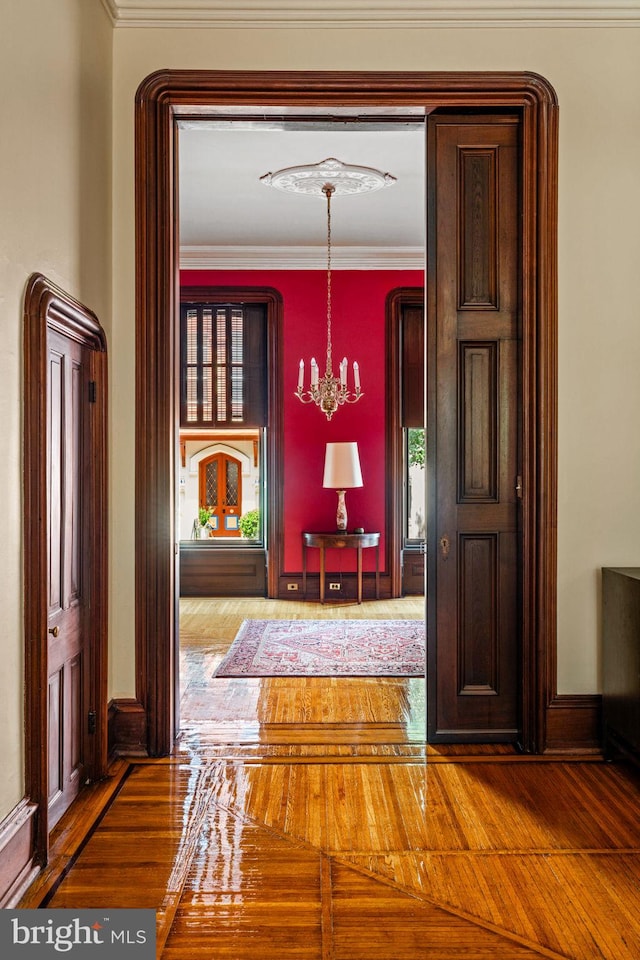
x: 347, y: 179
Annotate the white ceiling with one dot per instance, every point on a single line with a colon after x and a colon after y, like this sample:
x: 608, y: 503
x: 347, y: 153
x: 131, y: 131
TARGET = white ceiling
x: 229, y: 218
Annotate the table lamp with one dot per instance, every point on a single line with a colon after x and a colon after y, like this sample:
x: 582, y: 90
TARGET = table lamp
x: 342, y: 471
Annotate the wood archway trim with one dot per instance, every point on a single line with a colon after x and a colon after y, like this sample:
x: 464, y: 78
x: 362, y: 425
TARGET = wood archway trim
x: 47, y: 307
x: 165, y: 97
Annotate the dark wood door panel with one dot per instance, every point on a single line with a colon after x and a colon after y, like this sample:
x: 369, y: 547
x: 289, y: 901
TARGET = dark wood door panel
x: 474, y: 418
x: 69, y: 363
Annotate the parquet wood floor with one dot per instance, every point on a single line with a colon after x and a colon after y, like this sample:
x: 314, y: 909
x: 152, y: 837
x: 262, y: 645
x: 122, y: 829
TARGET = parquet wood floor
x: 306, y: 818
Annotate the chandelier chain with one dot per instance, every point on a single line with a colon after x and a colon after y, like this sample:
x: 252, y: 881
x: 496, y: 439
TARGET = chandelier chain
x: 328, y: 189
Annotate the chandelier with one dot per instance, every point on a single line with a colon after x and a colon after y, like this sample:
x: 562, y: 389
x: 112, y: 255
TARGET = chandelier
x: 328, y: 178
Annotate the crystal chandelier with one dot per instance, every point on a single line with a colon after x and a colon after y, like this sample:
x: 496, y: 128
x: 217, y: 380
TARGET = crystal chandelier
x: 329, y: 177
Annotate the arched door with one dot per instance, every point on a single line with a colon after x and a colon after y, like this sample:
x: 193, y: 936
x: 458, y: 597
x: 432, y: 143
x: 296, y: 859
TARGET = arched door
x: 220, y: 479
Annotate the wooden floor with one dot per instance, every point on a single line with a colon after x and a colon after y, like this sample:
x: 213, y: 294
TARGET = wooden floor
x: 305, y: 818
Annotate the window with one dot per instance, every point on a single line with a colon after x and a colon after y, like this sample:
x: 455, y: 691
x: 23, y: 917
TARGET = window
x: 415, y: 522
x: 223, y: 352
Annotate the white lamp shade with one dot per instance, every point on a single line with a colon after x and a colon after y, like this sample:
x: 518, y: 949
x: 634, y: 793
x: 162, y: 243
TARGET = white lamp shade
x: 342, y: 466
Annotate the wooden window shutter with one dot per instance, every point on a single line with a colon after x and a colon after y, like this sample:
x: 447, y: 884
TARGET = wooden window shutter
x: 223, y: 378
x: 412, y: 354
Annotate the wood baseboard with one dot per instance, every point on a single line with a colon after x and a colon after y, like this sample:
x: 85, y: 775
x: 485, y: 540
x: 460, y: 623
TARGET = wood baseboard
x: 127, y: 729
x: 348, y: 589
x: 573, y: 724
x: 17, y: 845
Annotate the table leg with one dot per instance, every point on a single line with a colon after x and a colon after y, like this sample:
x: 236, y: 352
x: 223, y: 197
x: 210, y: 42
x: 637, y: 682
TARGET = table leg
x: 359, y: 549
x: 377, y: 571
x: 322, y: 574
x: 304, y: 571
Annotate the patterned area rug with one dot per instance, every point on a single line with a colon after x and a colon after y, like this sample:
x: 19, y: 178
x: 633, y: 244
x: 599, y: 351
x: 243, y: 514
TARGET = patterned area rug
x: 326, y: 648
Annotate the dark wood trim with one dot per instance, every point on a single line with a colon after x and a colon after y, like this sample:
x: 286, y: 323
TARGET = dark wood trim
x: 395, y: 473
x: 161, y: 99
x: 540, y: 415
x: 210, y: 570
x: 275, y: 409
x: 17, y: 844
x: 48, y: 307
x: 127, y: 729
x: 573, y: 724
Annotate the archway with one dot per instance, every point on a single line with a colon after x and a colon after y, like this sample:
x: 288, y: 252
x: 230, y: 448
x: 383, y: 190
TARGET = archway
x: 169, y: 95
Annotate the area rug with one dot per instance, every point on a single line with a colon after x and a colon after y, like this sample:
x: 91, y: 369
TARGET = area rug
x: 326, y: 648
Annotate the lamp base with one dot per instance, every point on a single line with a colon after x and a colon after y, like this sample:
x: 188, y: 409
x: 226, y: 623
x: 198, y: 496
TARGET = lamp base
x: 341, y: 514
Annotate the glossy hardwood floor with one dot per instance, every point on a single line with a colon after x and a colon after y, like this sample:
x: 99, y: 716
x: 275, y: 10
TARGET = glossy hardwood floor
x: 306, y: 818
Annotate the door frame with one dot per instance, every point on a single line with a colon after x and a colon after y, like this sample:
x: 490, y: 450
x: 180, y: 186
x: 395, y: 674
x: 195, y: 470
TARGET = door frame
x: 47, y: 307
x: 396, y: 493
x: 169, y: 95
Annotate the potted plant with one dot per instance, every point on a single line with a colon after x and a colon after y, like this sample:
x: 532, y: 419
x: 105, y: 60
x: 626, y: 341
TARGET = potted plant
x: 203, y: 517
x: 249, y: 524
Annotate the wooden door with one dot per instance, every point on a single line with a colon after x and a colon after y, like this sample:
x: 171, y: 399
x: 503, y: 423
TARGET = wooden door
x: 68, y: 389
x: 221, y: 493
x: 473, y: 429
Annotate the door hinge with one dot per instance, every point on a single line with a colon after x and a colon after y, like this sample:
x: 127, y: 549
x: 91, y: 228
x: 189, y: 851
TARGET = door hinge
x: 519, y: 487
x: 91, y: 721
x: 93, y: 391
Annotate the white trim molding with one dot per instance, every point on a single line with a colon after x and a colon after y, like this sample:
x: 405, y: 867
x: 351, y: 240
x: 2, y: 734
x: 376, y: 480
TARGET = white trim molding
x: 300, y: 258
x: 372, y: 13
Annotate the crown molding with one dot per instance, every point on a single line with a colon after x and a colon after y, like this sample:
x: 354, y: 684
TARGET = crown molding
x: 300, y: 258
x: 372, y: 13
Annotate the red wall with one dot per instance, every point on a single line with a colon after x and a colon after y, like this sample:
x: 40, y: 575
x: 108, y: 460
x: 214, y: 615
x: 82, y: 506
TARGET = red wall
x: 358, y: 331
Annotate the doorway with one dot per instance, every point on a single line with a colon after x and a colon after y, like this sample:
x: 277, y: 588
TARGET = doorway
x: 167, y: 96
x: 278, y: 240
x: 65, y: 552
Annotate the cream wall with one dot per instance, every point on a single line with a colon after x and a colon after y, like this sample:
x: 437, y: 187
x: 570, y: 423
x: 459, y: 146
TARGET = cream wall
x: 55, y: 76
x: 57, y: 64
x: 596, y: 73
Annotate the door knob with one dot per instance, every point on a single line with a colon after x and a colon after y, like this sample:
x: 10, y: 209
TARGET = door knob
x: 54, y: 630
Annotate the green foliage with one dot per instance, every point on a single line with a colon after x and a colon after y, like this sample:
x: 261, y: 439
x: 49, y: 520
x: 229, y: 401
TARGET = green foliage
x: 203, y: 516
x: 417, y: 447
x: 249, y: 524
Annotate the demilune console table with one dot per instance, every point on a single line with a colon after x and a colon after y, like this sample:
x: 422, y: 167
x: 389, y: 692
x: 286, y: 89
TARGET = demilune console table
x: 357, y: 541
